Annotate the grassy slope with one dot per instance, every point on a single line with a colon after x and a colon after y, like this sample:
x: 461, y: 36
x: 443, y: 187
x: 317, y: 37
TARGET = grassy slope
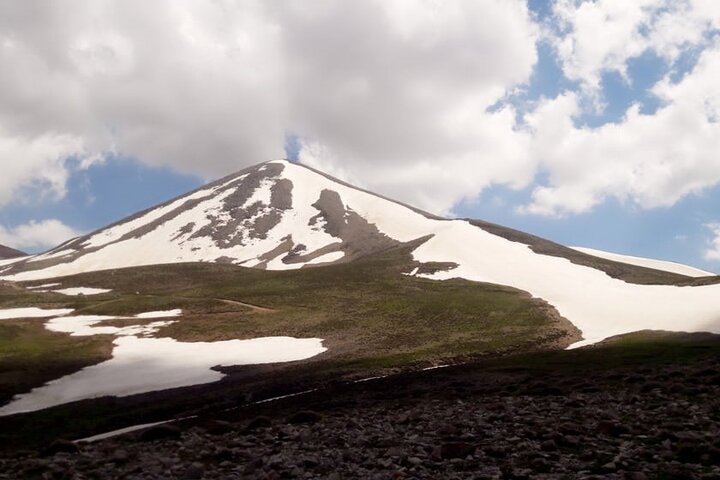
x: 368, y: 312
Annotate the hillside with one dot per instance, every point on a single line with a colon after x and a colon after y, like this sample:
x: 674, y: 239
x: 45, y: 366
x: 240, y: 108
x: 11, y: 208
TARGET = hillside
x: 373, y: 321
x: 8, y: 253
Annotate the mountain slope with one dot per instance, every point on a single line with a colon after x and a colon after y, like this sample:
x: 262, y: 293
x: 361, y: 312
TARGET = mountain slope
x: 281, y: 215
x: 651, y: 272
x: 7, y: 253
x: 671, y: 267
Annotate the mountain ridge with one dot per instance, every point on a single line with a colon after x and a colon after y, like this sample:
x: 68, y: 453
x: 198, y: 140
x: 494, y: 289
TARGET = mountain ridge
x: 7, y: 253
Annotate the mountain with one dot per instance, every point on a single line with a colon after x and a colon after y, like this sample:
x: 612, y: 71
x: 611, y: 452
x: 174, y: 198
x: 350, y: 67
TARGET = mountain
x: 7, y: 253
x: 280, y: 215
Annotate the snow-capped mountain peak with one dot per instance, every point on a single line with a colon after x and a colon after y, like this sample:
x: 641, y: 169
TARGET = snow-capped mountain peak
x: 276, y: 215
x: 281, y: 215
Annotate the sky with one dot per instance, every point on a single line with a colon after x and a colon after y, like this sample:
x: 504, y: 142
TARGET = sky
x: 591, y: 123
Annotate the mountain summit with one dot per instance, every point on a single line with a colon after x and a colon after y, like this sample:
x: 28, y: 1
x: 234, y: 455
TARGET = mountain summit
x: 281, y: 215
x: 276, y: 215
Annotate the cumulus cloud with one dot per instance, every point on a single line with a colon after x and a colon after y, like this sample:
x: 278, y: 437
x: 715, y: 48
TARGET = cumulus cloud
x: 209, y: 87
x: 651, y: 160
x: 36, y: 235
x: 403, y: 106
x: 713, y: 251
x: 601, y: 36
x: 193, y: 85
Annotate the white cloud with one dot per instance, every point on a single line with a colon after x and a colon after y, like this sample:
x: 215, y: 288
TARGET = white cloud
x: 650, y: 160
x: 36, y: 235
x: 402, y: 107
x: 601, y: 36
x: 194, y: 85
x: 713, y: 251
x: 210, y: 87
x: 39, y: 164
x: 405, y: 97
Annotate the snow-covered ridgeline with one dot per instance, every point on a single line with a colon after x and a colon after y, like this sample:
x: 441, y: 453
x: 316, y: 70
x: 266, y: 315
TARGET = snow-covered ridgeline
x: 664, y: 265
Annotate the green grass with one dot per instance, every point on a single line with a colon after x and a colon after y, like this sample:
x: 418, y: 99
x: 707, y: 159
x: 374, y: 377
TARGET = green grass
x: 645, y: 348
x: 365, y: 310
x: 31, y: 355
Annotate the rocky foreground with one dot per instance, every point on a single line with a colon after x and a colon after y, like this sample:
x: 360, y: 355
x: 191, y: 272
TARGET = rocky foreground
x: 637, y: 422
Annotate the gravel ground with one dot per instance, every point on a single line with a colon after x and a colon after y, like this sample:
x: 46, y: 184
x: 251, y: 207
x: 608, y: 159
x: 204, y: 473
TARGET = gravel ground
x: 639, y: 423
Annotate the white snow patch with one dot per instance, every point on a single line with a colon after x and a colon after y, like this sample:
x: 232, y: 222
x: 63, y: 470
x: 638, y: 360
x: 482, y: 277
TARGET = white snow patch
x: 370, y: 379
x: 663, y: 265
x: 328, y: 257
x: 32, y: 312
x: 82, y: 291
x: 51, y: 255
x: 160, y: 314
x: 289, y: 395
x: 120, y: 431
x: 10, y: 261
x: 434, y: 367
x: 45, y: 286
x: 84, y: 325
x: 141, y: 365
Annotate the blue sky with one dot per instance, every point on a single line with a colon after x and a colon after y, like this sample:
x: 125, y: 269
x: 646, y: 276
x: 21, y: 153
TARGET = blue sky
x: 601, y: 88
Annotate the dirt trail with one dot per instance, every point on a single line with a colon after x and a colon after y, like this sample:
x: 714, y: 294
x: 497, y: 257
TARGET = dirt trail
x: 255, y: 308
